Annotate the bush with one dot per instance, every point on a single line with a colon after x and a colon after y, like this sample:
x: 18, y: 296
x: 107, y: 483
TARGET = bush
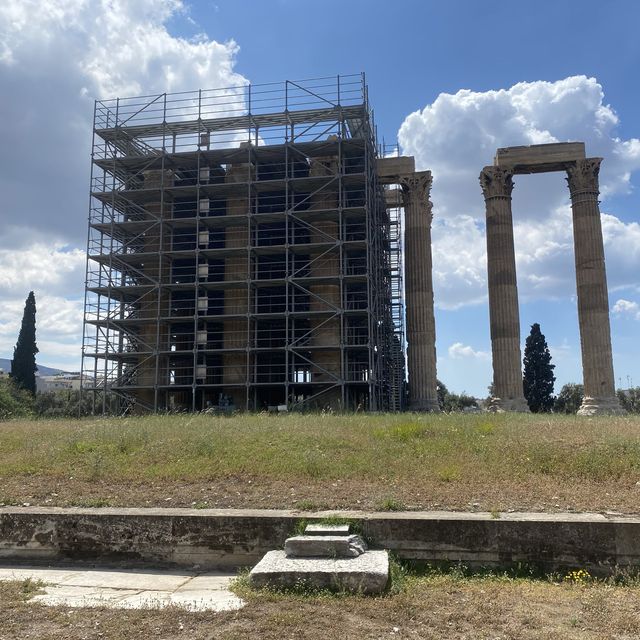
x: 14, y: 402
x: 449, y: 402
x: 630, y: 399
x: 569, y: 399
x: 65, y: 403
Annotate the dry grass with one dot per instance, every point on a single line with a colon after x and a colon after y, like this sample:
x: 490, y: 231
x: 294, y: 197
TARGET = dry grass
x: 438, y: 606
x: 488, y: 462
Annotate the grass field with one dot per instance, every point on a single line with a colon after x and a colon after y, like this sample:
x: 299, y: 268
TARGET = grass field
x: 400, y: 461
x: 436, y: 606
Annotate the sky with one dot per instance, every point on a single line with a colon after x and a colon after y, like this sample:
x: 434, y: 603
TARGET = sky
x: 450, y: 81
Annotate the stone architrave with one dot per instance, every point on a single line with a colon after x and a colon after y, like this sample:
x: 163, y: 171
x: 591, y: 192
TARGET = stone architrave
x: 421, y: 330
x: 497, y: 185
x: 593, y: 298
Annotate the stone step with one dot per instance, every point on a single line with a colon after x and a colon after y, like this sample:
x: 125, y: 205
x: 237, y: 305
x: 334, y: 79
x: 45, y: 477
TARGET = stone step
x: 350, y: 546
x: 367, y: 574
x: 326, y: 530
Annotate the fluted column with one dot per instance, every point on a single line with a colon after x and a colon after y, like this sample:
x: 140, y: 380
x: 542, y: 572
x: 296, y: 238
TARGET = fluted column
x: 593, y: 298
x: 504, y: 316
x: 421, y: 326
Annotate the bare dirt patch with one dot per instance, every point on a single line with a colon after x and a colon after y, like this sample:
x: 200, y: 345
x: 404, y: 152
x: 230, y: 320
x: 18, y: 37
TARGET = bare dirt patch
x: 445, y: 607
x: 534, y: 494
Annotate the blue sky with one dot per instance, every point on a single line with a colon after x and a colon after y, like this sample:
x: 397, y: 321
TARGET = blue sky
x: 474, y: 75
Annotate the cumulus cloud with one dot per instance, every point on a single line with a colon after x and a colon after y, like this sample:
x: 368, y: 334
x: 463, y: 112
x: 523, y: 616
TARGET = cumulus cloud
x: 458, y: 134
x: 56, y: 57
x: 459, y: 351
x: 49, y: 267
x: 58, y: 328
x: 627, y: 308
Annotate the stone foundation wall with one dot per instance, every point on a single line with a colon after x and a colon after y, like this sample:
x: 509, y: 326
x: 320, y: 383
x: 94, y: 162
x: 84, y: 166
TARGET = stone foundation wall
x: 231, y: 538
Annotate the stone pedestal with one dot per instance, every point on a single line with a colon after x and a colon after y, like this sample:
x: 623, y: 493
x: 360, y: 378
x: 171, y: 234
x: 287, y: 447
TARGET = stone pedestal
x: 421, y: 328
x: 497, y: 185
x: 593, y: 299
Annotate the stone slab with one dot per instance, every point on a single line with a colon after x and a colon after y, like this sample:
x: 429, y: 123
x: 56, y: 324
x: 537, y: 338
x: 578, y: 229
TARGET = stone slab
x: 538, y: 158
x: 326, y: 530
x: 125, y: 589
x: 339, y: 546
x: 367, y: 574
x: 389, y: 169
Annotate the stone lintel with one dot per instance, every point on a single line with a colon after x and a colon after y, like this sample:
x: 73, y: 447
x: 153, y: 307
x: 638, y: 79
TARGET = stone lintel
x: 540, y: 158
x: 391, y: 169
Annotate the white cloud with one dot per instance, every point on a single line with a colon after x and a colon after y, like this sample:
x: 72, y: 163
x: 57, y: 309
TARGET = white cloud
x: 459, y: 351
x: 458, y: 134
x: 56, y: 57
x: 58, y: 329
x: 54, y: 268
x: 628, y: 308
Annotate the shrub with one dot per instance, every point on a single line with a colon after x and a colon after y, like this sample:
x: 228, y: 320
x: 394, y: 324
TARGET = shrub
x: 569, y: 399
x: 14, y: 402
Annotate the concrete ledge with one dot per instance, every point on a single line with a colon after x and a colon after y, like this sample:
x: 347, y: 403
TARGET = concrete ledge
x: 219, y: 538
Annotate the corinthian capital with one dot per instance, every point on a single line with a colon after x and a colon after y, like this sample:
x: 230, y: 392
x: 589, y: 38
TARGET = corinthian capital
x: 416, y: 186
x: 496, y: 181
x: 584, y: 175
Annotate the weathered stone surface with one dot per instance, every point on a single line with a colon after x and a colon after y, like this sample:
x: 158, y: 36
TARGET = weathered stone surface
x: 421, y: 326
x: 504, y: 315
x: 537, y: 158
x: 326, y: 530
x: 217, y: 538
x: 390, y: 169
x: 77, y: 586
x: 368, y: 573
x: 325, y: 546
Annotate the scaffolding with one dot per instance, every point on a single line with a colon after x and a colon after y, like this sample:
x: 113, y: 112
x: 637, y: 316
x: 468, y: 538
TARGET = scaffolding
x: 241, y: 253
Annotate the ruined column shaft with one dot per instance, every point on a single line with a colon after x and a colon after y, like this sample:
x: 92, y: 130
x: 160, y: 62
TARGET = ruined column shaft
x: 421, y: 331
x: 593, y: 298
x: 504, y: 316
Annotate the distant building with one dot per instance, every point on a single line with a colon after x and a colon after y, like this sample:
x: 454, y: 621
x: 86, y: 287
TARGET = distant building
x: 58, y: 382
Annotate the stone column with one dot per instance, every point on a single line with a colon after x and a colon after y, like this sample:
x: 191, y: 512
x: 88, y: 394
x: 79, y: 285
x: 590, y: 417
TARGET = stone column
x: 421, y: 326
x: 504, y: 316
x: 235, y: 372
x: 593, y: 298
x: 325, y: 332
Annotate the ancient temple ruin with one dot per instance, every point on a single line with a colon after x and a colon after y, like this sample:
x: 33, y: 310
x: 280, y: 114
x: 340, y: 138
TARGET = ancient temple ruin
x: 593, y: 300
x: 245, y: 253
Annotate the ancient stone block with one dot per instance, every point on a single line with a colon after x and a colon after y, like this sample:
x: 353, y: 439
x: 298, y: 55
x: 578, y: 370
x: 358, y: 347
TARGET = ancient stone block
x: 324, y: 546
x: 367, y: 574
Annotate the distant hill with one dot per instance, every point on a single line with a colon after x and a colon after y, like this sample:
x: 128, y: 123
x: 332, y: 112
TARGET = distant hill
x: 5, y: 365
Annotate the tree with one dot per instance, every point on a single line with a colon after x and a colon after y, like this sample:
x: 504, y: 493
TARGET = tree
x: 442, y: 392
x: 23, y: 365
x: 538, y: 375
x: 449, y: 402
x: 569, y: 399
x: 630, y: 399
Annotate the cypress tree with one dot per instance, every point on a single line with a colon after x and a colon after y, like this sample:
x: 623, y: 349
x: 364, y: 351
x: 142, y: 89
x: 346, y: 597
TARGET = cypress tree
x: 23, y: 365
x: 538, y: 375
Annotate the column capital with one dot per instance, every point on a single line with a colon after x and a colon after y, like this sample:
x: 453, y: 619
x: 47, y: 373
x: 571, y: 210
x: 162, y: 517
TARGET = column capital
x: 416, y: 184
x: 583, y: 176
x: 496, y: 182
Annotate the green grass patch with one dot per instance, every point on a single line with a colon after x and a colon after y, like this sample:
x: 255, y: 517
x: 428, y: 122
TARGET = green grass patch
x: 324, y: 448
